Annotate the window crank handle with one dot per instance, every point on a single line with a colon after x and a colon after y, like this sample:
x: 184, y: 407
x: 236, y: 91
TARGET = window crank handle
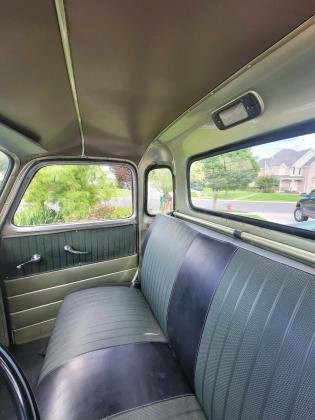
x: 36, y: 258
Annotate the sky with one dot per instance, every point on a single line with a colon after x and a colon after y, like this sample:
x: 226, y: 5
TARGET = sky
x: 296, y: 143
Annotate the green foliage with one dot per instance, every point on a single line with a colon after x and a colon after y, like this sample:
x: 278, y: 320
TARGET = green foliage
x: 226, y: 172
x: 120, y: 193
x: 66, y: 193
x: 35, y: 217
x: 207, y: 192
x: 267, y: 183
x: 197, y: 177
x: 111, y: 212
x: 230, y: 171
x: 162, y: 180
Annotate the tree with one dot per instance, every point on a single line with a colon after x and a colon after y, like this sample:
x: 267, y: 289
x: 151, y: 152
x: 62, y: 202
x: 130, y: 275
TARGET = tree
x: 225, y: 172
x: 161, y: 179
x: 267, y: 183
x: 64, y: 193
x: 197, y: 179
x: 123, y: 176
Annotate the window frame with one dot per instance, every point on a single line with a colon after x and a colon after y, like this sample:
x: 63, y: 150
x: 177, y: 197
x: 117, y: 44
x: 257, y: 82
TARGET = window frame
x: 7, y: 172
x: 55, y: 227
x: 282, y: 134
x: 146, y: 192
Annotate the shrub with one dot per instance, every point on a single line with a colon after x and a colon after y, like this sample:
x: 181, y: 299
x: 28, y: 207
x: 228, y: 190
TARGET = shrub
x: 112, y: 212
x: 45, y: 216
x: 267, y: 183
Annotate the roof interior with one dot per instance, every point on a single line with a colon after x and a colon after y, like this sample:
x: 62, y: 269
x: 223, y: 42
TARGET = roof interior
x: 138, y: 65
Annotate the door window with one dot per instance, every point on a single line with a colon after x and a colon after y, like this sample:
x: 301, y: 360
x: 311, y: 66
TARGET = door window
x: 76, y: 193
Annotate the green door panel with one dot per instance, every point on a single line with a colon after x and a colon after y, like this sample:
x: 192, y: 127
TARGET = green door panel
x: 34, y: 294
x: 103, y: 244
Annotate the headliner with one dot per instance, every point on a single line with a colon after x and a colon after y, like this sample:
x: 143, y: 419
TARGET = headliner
x: 138, y: 64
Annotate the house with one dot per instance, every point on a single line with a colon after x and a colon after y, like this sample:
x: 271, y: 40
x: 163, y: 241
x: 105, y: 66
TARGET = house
x: 295, y: 169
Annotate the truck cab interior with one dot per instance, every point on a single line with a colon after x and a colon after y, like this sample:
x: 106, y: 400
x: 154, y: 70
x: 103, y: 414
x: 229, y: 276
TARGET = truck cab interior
x: 157, y: 210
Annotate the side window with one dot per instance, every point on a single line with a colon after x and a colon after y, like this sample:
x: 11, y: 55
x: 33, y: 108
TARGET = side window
x: 270, y: 182
x: 76, y: 193
x: 160, y: 191
x: 4, y: 168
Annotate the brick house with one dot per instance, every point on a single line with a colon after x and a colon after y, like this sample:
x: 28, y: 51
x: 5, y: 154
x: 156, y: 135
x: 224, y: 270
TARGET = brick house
x: 294, y: 168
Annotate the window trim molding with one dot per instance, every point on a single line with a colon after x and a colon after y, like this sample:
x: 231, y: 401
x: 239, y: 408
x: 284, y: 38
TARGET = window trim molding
x: 7, y: 172
x: 10, y: 229
x: 146, y: 193
x: 282, y: 134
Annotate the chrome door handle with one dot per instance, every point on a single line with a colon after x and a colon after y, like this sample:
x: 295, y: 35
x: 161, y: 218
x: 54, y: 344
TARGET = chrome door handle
x: 68, y: 248
x: 36, y: 258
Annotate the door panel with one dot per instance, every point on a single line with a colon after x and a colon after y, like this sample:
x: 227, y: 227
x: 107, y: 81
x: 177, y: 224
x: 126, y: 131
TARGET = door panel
x: 86, y: 204
x: 35, y: 293
x: 33, y: 301
x: 102, y: 244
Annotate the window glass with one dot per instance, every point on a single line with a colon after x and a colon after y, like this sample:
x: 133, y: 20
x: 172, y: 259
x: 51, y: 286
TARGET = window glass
x: 272, y: 182
x: 71, y: 193
x: 4, y: 167
x: 160, y: 191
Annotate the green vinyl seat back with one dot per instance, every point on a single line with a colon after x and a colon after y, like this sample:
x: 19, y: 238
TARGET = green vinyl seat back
x: 163, y: 255
x: 256, y: 358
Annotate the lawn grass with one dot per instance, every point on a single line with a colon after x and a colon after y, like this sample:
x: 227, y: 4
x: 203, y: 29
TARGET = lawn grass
x: 230, y: 195
x: 252, y: 196
x: 275, y: 197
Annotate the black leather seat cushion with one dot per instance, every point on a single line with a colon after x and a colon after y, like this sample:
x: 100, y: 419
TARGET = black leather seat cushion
x: 107, y: 381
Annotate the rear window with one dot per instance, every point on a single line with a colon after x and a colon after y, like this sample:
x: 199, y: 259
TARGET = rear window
x: 272, y: 182
x: 73, y: 193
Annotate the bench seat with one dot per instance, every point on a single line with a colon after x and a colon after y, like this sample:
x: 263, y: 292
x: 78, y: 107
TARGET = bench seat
x: 98, y: 318
x: 134, y: 375
x: 216, y: 331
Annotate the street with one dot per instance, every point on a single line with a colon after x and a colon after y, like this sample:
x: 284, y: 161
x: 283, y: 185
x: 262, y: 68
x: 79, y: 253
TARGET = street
x: 278, y: 212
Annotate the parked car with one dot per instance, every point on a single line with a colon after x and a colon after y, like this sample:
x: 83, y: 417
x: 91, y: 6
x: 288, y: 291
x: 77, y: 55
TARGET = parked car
x: 305, y: 207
